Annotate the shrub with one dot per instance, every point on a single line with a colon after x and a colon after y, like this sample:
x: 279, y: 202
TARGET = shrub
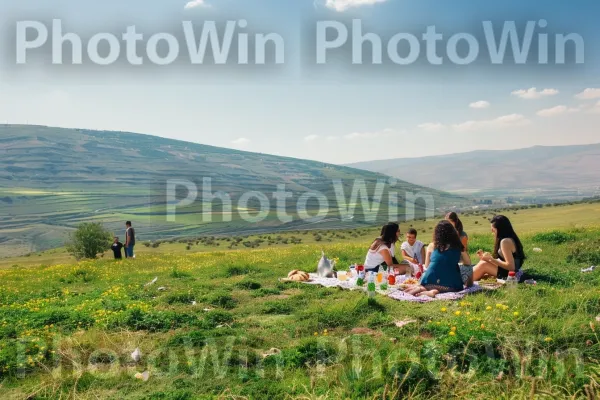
x: 237, y: 271
x: 89, y: 240
x: 554, y: 237
x: 310, y: 352
x: 587, y: 252
x: 180, y: 298
x: 265, y: 292
x: 248, y: 285
x: 178, y: 274
x: 216, y: 318
x: 273, y: 307
x: 222, y: 300
x: 158, y: 320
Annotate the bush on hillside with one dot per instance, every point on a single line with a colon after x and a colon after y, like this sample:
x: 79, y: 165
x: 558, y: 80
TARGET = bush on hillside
x: 89, y: 240
x: 587, y: 252
x: 554, y: 237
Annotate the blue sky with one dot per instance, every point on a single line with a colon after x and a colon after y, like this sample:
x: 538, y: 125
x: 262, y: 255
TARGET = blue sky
x: 336, y: 113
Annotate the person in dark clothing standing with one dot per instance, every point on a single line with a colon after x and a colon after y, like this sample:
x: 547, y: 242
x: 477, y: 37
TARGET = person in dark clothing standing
x: 116, y: 248
x: 129, y: 240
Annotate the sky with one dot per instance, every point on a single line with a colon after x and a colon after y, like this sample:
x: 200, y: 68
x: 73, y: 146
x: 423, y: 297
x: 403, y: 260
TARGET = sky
x: 337, y: 112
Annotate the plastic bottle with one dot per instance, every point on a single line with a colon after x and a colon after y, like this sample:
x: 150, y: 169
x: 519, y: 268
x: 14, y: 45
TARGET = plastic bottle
x: 371, y: 286
x: 384, y: 282
x: 361, y: 276
x: 511, y: 281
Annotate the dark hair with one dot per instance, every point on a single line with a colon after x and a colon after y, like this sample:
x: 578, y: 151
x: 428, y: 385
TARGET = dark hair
x: 388, y: 236
x: 128, y: 223
x: 445, y: 237
x: 452, y: 216
x: 504, y: 230
x: 413, y: 231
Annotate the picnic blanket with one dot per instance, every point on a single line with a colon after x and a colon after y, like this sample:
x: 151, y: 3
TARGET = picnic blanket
x: 394, y: 293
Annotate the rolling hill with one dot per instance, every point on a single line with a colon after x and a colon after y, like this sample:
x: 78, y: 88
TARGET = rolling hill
x: 52, y: 179
x: 555, y: 171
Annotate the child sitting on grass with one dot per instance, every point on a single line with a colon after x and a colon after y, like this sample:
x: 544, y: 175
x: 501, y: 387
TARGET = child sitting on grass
x: 443, y: 274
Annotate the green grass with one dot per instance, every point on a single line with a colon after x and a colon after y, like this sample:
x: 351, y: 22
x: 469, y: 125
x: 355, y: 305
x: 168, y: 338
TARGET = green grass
x: 536, y: 342
x: 542, y: 221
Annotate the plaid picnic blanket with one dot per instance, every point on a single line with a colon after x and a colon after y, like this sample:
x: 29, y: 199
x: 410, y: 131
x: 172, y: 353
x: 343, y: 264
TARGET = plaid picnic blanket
x: 396, y: 294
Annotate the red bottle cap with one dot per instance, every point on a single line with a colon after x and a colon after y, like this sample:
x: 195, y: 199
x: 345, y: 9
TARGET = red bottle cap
x: 512, y: 274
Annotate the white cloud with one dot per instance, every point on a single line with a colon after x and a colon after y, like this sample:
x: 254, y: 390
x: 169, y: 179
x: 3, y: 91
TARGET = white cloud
x: 343, y: 5
x: 311, y: 138
x: 505, y: 121
x: 196, y: 4
x: 240, y: 141
x: 370, y: 135
x: 432, y: 127
x: 480, y: 104
x: 332, y: 138
x: 554, y: 111
x: 589, y: 94
x: 534, y: 94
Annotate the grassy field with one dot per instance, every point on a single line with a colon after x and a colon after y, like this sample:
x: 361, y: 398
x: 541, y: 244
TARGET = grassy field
x: 530, y: 220
x: 207, y: 326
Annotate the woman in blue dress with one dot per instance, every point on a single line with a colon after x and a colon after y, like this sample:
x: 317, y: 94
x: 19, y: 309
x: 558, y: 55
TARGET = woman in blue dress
x: 443, y: 273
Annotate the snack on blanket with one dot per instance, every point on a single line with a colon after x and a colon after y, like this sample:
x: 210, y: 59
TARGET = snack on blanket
x: 488, y: 280
x: 411, y: 281
x: 298, y: 276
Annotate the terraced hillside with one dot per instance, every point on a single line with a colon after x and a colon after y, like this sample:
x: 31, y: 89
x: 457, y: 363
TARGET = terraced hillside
x: 51, y: 179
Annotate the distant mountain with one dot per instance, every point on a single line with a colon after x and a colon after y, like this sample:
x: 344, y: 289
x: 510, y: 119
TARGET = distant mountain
x: 545, y: 168
x: 51, y: 179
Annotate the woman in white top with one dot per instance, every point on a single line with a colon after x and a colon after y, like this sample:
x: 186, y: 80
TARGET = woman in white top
x: 382, y: 251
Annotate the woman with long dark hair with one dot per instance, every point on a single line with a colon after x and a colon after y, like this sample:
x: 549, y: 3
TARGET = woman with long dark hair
x: 508, y: 253
x: 452, y: 217
x: 443, y: 274
x: 382, y: 250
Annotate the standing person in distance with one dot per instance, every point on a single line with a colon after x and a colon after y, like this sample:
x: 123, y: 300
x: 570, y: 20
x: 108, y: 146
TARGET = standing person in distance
x: 129, y: 240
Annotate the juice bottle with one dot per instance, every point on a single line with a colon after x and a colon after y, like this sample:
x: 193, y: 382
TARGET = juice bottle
x: 371, y: 286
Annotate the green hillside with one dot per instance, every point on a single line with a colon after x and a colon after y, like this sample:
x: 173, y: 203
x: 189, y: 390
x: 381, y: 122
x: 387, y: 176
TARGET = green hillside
x: 51, y: 179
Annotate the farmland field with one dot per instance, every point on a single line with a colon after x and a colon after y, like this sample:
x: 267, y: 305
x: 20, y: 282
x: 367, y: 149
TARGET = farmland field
x: 219, y: 324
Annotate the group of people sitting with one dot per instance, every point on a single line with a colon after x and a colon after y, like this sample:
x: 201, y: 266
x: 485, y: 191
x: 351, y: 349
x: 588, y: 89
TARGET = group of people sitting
x: 446, y: 262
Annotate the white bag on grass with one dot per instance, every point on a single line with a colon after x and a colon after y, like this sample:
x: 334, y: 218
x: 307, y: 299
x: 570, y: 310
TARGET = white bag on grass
x: 325, y: 267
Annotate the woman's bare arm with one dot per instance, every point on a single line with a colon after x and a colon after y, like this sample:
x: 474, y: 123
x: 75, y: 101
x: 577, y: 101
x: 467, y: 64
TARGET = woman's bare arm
x: 465, y: 258
x: 428, y: 255
x: 387, y: 257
